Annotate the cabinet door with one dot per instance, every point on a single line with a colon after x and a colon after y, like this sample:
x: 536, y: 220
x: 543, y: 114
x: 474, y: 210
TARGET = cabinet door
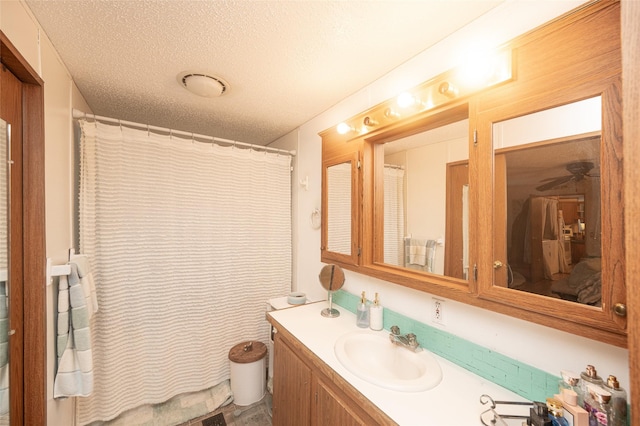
x: 291, y: 387
x: 331, y: 410
x: 340, y: 210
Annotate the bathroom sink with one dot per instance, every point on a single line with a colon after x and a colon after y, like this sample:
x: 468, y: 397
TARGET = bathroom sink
x: 372, y: 357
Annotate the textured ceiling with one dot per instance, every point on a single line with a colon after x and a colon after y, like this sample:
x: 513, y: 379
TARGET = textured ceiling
x: 285, y: 61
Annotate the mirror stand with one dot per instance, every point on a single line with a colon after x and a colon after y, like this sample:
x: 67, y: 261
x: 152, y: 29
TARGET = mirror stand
x: 330, y: 312
x: 332, y: 278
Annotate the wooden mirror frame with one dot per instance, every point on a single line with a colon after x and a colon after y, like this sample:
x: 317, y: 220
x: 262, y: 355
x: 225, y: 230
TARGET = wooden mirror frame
x: 574, y: 57
x: 328, y: 256
x: 373, y: 196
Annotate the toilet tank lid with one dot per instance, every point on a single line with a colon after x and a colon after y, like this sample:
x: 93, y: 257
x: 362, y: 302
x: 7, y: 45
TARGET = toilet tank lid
x: 246, y: 352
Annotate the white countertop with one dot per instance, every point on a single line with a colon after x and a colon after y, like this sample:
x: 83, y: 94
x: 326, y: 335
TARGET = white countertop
x: 454, y: 402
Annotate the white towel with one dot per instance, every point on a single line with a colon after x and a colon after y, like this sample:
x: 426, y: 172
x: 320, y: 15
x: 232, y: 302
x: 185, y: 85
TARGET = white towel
x: 418, y: 252
x: 75, y: 362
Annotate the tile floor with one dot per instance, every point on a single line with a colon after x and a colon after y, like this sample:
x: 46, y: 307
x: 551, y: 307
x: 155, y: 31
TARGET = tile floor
x: 257, y: 414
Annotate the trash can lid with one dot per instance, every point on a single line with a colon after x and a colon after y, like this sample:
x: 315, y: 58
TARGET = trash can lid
x: 246, y: 352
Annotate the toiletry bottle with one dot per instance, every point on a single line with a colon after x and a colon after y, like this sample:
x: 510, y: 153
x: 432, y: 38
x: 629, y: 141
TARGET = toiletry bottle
x: 539, y: 415
x: 618, y: 402
x: 596, y: 403
x: 376, y: 318
x: 362, y: 314
x: 555, y: 408
x: 589, y: 375
x: 569, y: 380
x: 575, y: 415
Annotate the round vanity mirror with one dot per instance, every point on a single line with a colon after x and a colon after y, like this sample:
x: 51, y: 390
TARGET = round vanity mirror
x: 332, y: 278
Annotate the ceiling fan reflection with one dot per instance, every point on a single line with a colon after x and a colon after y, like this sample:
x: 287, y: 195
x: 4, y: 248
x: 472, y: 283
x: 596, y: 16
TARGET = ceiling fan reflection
x: 578, y: 170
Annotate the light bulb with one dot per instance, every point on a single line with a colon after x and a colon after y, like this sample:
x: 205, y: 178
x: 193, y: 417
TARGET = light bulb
x: 406, y: 100
x: 369, y: 122
x: 343, y: 128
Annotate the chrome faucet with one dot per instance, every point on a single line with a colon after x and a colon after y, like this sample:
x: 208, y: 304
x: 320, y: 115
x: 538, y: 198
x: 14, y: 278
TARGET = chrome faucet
x: 405, y: 340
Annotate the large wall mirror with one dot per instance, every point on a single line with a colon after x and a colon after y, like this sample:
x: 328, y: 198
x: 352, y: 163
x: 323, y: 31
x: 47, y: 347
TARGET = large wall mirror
x: 555, y: 214
x: 547, y: 202
x: 416, y: 225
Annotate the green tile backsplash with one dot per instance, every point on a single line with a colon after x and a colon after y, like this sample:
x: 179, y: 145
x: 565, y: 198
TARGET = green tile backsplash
x: 528, y: 382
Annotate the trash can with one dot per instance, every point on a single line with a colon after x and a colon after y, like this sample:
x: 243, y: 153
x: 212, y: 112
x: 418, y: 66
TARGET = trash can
x: 248, y: 372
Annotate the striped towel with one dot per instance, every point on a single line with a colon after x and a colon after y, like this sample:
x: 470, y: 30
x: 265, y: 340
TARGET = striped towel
x: 417, y: 252
x: 75, y: 362
x: 86, y: 279
x: 420, y: 254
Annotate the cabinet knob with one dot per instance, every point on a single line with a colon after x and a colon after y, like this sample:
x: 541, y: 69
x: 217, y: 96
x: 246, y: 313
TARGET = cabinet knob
x: 497, y: 264
x: 620, y: 309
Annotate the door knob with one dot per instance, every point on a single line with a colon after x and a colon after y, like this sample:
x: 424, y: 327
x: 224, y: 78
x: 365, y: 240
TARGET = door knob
x: 620, y: 309
x: 497, y: 264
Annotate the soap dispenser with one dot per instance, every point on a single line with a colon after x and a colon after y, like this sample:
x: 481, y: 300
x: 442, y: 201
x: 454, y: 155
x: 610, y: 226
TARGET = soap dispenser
x: 376, y: 320
x: 362, y: 314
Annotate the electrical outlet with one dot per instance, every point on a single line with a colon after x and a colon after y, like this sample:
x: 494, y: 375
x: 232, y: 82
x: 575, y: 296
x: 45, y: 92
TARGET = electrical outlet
x: 438, y: 311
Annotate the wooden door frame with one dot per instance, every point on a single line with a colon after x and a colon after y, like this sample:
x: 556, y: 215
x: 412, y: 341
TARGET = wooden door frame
x: 630, y: 14
x: 457, y: 176
x: 32, y: 325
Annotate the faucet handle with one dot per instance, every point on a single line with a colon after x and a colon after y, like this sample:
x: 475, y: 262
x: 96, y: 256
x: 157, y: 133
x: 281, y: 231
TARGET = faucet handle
x: 413, y: 342
x: 395, y: 330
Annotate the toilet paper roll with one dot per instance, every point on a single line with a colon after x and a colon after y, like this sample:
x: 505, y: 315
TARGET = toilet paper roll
x: 297, y: 298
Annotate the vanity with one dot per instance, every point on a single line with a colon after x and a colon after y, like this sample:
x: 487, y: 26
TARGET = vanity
x: 312, y: 387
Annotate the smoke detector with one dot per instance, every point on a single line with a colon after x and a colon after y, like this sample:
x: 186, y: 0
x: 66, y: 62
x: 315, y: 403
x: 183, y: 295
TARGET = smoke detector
x: 203, y: 85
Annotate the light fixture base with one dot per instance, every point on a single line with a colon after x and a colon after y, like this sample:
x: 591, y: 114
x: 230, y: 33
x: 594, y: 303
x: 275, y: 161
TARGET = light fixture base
x: 204, y: 85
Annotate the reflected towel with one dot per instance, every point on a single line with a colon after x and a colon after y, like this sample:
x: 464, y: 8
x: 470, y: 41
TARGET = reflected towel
x: 418, y: 252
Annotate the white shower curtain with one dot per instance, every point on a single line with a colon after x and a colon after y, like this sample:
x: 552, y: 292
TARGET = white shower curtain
x: 394, y: 215
x: 188, y: 241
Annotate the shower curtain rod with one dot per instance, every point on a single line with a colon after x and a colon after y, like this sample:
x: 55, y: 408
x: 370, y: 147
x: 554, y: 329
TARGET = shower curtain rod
x: 394, y: 166
x: 77, y: 114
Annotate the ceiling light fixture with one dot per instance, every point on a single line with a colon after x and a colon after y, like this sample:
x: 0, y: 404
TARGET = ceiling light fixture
x: 203, y: 85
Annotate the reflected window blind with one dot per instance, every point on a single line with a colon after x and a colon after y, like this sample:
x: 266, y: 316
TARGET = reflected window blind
x: 187, y: 242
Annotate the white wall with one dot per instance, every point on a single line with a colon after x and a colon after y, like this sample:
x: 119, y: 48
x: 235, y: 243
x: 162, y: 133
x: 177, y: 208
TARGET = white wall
x: 426, y: 185
x: 539, y: 346
x: 60, y: 96
x: 542, y: 347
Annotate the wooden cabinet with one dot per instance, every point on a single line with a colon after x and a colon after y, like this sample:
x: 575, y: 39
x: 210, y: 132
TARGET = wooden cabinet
x: 493, y: 259
x: 330, y: 409
x: 306, y: 391
x: 291, y: 381
x: 341, y: 215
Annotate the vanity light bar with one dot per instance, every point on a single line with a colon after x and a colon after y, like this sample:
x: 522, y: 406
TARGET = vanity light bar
x: 457, y: 83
